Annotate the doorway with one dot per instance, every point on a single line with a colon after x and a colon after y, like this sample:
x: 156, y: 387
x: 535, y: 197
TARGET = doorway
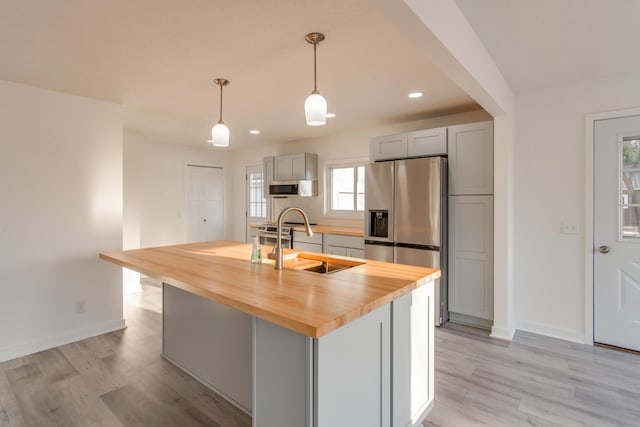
x: 616, y: 231
x: 205, y: 204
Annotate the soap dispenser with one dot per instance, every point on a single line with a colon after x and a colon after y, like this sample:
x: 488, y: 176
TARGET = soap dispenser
x: 256, y: 252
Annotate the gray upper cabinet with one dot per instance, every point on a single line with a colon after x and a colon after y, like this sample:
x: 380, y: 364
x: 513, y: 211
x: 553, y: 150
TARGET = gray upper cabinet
x: 295, y: 167
x: 388, y: 147
x: 471, y: 159
x: 430, y: 142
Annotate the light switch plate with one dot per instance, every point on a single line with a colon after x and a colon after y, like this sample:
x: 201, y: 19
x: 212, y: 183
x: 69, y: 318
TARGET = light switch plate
x: 569, y: 227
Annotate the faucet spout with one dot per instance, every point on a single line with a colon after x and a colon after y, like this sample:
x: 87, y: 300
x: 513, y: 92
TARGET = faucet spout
x: 278, y: 248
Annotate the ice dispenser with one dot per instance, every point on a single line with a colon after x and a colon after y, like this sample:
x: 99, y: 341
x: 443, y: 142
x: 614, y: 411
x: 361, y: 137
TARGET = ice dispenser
x: 379, y: 223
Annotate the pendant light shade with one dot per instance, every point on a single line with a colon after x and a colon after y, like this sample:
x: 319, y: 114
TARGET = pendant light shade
x: 315, y: 110
x: 220, y: 135
x: 220, y: 131
x: 315, y: 107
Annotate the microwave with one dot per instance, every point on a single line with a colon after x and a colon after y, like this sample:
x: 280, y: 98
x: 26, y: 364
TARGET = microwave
x: 301, y: 188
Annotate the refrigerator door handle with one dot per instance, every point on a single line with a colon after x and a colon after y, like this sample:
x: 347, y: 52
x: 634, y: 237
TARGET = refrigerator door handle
x: 377, y: 243
x: 414, y: 246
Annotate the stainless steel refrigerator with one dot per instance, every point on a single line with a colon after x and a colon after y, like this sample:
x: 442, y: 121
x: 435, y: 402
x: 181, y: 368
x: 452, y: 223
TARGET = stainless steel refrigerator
x: 406, y: 217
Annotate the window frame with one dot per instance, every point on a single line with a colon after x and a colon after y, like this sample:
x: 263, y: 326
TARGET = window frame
x: 328, y: 185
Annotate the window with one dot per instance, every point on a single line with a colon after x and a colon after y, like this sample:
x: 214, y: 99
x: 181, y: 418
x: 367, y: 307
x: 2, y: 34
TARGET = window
x: 345, y: 188
x: 629, y: 189
x: 257, y: 202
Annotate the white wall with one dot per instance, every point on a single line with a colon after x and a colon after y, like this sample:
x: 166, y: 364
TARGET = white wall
x: 352, y: 145
x: 61, y: 191
x: 154, y: 188
x: 549, y: 188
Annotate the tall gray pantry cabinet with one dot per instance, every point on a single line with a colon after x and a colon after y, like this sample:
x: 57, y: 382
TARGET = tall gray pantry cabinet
x: 470, y: 149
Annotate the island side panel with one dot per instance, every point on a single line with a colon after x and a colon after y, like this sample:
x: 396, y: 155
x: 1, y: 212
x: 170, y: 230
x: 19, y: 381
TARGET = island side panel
x: 211, y: 342
x: 353, y: 373
x: 413, y: 356
x: 283, y: 377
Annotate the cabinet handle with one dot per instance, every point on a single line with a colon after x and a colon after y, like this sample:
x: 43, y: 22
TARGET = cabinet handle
x: 604, y: 249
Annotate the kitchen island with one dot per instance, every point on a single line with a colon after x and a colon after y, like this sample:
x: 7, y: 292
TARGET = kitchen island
x: 295, y: 347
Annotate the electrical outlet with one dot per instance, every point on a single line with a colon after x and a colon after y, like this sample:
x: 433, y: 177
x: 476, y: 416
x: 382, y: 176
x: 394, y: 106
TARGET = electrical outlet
x: 570, y: 227
x: 81, y: 306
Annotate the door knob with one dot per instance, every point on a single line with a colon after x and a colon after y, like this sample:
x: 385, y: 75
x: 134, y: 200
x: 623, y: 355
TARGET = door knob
x: 604, y: 249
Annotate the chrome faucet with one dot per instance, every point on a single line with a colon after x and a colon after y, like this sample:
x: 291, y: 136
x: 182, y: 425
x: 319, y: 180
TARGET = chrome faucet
x: 278, y: 248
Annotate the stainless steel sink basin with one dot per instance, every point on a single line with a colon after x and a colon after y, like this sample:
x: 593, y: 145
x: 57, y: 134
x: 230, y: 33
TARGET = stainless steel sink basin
x: 327, y: 267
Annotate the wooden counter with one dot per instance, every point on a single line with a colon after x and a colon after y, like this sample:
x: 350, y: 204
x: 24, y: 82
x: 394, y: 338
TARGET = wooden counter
x: 308, y: 303
x: 333, y: 229
x: 329, y: 229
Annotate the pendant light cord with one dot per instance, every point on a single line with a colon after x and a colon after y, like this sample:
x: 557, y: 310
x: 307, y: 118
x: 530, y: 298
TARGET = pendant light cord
x: 220, y: 121
x: 315, y: 86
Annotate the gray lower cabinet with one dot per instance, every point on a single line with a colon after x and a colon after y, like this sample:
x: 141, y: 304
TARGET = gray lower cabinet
x: 413, y: 356
x: 306, y: 243
x: 471, y: 260
x: 210, y: 341
x: 374, y: 371
x: 339, y: 244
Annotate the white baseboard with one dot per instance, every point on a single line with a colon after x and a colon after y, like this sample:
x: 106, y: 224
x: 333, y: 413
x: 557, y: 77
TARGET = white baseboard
x: 502, y: 333
x: 45, y: 343
x: 552, y: 331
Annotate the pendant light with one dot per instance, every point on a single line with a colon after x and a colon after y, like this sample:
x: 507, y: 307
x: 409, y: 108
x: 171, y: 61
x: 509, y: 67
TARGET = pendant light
x: 220, y: 132
x: 315, y: 107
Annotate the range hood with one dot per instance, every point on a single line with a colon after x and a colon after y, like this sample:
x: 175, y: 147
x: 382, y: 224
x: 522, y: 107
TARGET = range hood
x: 291, y: 175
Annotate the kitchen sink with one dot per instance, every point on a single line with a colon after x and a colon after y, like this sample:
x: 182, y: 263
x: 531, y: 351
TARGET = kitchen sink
x: 327, y: 267
x: 318, y: 263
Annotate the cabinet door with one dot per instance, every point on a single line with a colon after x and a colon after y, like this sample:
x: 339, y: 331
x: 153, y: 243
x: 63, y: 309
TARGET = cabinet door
x: 290, y: 166
x: 413, y: 356
x: 301, y: 236
x: 428, y: 142
x: 298, y: 166
x: 335, y: 250
x: 307, y: 247
x: 471, y: 256
x: 471, y: 158
x: 345, y: 241
x: 353, y: 364
x: 388, y: 147
x: 355, y: 253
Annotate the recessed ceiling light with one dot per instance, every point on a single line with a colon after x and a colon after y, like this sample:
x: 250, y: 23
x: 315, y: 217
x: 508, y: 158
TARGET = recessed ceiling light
x: 254, y: 131
x: 331, y: 115
x: 415, y: 94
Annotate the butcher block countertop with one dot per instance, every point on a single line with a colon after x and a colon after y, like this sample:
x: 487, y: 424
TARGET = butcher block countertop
x: 309, y: 303
x: 333, y: 229
x: 329, y: 229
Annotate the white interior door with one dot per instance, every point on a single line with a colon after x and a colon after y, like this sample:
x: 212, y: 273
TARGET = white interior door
x: 617, y: 232
x: 205, y: 204
x: 256, y: 204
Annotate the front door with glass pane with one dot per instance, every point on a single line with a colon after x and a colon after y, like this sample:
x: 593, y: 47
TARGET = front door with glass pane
x: 617, y: 232
x: 256, y: 208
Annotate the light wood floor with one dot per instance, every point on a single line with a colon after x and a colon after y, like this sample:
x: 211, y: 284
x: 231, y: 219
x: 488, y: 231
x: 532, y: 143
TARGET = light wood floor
x: 119, y: 379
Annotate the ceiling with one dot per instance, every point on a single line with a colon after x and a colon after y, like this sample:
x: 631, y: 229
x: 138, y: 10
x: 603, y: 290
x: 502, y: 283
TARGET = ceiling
x: 159, y: 58
x: 542, y: 43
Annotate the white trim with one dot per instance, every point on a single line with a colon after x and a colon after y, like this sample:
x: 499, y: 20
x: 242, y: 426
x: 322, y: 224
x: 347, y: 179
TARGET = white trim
x: 45, y: 343
x: 353, y: 162
x: 246, y: 196
x: 502, y: 333
x: 552, y: 331
x: 590, y: 120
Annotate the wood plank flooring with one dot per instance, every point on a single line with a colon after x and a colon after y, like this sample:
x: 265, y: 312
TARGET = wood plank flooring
x: 119, y: 379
